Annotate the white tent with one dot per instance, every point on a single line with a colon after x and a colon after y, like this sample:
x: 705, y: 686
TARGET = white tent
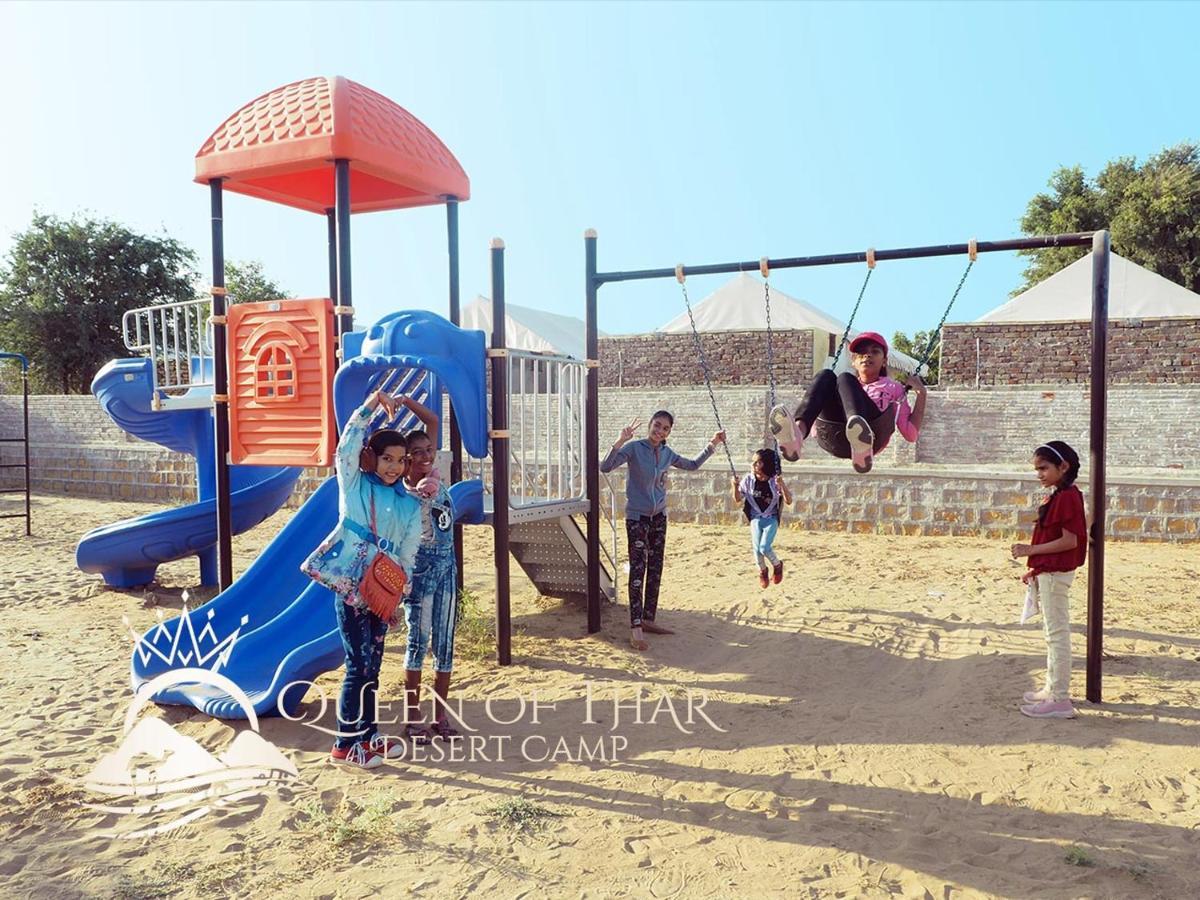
x: 529, y: 329
x: 1066, y: 296
x: 739, y: 305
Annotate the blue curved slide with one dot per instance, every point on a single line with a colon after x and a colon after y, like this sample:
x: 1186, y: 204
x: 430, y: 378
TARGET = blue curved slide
x: 283, y: 624
x: 128, y: 553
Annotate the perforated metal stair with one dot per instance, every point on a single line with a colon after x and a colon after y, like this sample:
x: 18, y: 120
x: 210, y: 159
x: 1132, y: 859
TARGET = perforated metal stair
x: 553, y: 553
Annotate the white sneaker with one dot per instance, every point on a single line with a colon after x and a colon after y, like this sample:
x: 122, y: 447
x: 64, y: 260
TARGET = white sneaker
x: 786, y: 431
x: 862, y: 443
x: 1050, y: 709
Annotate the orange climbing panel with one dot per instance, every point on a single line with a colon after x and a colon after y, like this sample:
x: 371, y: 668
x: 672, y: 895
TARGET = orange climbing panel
x: 281, y: 367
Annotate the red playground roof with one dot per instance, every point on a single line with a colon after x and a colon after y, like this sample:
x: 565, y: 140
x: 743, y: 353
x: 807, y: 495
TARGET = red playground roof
x: 281, y: 147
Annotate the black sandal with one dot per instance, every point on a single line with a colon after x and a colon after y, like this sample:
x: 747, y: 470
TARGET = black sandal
x: 443, y: 729
x: 418, y: 733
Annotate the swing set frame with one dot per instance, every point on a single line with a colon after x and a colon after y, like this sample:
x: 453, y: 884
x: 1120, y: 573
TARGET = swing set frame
x: 1100, y: 244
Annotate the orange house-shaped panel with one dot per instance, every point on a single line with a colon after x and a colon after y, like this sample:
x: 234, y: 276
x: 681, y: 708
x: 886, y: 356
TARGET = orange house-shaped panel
x: 281, y: 383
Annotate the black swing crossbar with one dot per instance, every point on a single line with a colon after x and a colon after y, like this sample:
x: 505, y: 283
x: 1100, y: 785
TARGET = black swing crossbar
x: 1078, y: 239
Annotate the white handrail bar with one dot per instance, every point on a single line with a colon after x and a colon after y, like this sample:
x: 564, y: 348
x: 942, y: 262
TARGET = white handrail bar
x: 164, y: 333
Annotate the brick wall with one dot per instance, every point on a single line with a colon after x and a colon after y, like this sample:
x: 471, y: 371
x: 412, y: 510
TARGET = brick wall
x: 77, y: 450
x: 735, y: 357
x: 1148, y: 427
x: 926, y: 502
x: 65, y: 420
x: 1140, y: 351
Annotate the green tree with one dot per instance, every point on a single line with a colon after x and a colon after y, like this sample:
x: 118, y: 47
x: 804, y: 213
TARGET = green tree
x: 65, y: 285
x: 246, y: 283
x: 1152, y: 210
x: 915, y: 347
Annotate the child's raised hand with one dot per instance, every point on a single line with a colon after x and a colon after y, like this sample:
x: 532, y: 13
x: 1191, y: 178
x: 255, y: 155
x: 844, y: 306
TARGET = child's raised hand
x: 387, y: 401
x: 914, y: 381
x: 630, y: 430
x: 719, y: 437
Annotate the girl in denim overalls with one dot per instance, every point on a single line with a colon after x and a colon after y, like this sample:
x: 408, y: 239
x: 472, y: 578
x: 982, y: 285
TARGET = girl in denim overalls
x: 376, y: 515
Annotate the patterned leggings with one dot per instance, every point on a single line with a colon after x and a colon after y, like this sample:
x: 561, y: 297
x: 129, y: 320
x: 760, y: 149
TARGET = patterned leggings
x: 647, y: 537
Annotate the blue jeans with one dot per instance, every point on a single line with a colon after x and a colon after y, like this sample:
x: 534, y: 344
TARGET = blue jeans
x: 762, y: 536
x: 362, y: 639
x: 431, y: 610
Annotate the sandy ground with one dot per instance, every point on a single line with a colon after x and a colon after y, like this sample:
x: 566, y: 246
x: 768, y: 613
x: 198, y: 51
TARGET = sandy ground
x: 869, y: 740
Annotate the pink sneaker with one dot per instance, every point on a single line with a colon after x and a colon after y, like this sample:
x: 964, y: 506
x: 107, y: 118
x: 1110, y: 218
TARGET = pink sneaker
x: 786, y: 431
x: 1050, y: 709
x: 1036, y: 696
x: 862, y: 443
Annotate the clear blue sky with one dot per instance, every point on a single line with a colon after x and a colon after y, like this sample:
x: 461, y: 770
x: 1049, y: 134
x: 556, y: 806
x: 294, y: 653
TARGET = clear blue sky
x: 683, y: 132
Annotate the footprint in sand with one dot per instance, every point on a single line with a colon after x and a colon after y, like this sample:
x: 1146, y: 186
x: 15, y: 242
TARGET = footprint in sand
x: 637, y: 844
x: 668, y: 883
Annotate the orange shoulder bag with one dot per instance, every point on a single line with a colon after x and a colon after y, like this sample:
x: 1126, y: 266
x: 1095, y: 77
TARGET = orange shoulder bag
x: 382, y: 584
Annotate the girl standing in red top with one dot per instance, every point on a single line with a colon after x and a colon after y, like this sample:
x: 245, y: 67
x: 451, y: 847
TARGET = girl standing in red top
x: 1058, y: 548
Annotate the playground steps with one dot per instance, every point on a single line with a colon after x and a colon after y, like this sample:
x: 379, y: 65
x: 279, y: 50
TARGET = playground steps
x: 553, y: 554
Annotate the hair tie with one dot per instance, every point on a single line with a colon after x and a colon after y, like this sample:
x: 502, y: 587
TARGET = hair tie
x: 1051, y: 449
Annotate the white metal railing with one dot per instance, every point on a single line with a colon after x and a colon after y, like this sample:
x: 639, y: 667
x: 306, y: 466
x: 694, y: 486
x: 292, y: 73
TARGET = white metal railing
x: 546, y: 402
x: 177, y: 337
x: 610, y: 515
x: 544, y: 435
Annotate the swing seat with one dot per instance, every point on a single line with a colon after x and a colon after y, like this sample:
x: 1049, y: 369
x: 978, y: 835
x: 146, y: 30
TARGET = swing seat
x: 831, y: 436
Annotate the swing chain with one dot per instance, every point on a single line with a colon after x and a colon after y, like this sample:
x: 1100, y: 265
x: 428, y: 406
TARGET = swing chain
x: 770, y: 366
x: 850, y: 323
x: 770, y: 351
x: 936, y: 335
x: 707, y: 378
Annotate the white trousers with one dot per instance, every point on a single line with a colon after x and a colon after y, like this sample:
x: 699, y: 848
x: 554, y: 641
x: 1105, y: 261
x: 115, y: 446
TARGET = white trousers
x: 1052, y: 588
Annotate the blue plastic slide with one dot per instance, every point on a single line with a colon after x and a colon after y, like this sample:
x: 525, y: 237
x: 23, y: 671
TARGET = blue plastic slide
x: 285, y: 626
x: 128, y: 553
